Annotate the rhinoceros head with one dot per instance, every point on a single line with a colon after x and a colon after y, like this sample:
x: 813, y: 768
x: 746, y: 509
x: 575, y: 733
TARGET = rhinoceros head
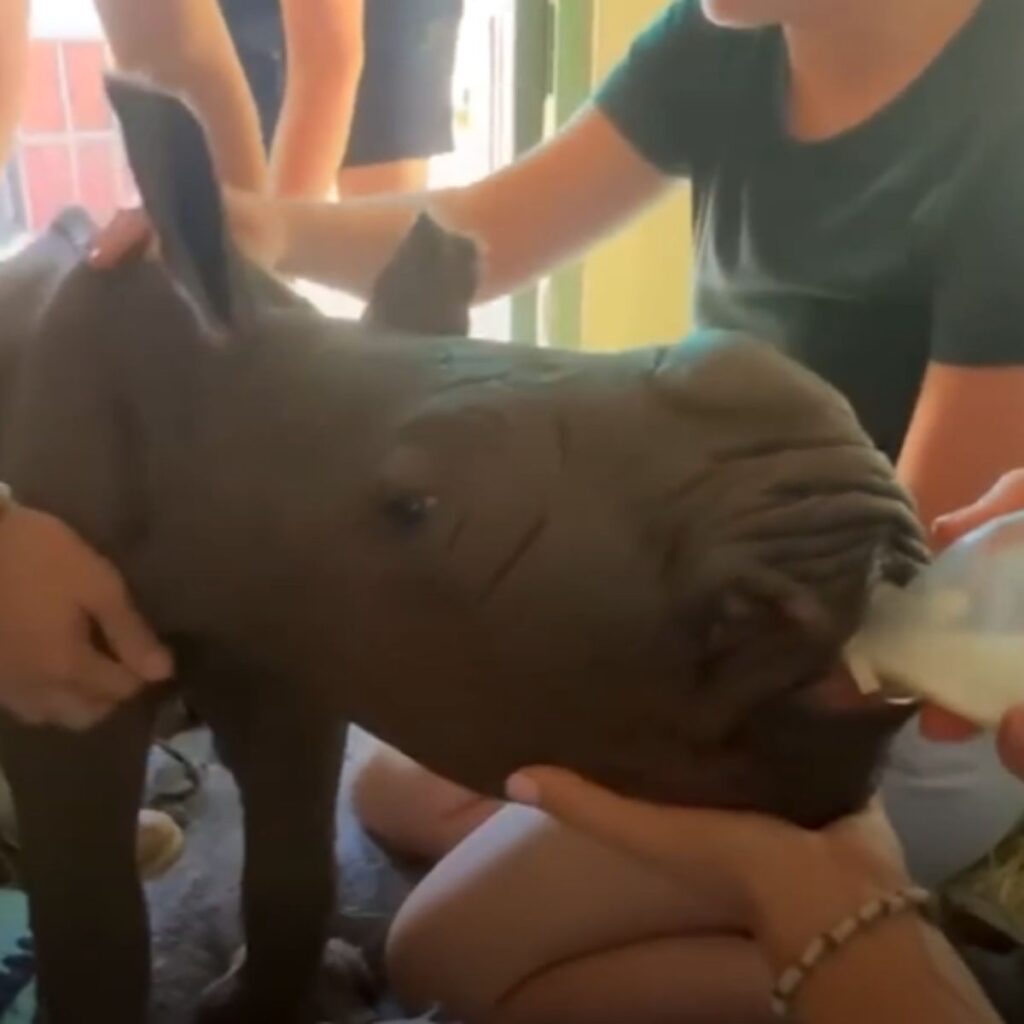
x: 638, y: 566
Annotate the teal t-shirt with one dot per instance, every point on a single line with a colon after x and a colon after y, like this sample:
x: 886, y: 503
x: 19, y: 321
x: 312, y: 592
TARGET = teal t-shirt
x: 865, y: 256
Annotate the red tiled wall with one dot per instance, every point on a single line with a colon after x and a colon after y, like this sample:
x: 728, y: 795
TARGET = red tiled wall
x: 69, y: 150
x: 48, y: 180
x: 43, y: 112
x: 84, y: 64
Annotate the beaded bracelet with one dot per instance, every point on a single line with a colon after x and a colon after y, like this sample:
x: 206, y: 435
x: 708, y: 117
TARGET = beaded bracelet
x: 792, y: 979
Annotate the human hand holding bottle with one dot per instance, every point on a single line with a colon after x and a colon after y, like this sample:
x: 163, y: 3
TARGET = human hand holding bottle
x: 1005, y: 498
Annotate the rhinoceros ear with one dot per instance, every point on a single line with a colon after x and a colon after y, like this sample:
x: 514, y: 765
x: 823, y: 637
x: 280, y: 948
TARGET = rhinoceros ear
x: 429, y: 284
x: 174, y: 172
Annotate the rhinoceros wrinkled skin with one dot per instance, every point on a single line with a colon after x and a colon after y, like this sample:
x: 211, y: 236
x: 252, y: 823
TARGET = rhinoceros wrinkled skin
x: 490, y: 556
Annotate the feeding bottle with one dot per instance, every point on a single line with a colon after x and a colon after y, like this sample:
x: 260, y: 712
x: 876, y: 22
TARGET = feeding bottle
x: 955, y: 635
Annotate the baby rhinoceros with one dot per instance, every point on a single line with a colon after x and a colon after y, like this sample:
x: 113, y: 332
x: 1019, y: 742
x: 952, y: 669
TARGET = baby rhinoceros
x: 490, y: 556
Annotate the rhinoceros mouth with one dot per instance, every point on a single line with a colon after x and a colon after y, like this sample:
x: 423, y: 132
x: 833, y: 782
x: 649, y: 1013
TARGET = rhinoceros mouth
x: 839, y: 692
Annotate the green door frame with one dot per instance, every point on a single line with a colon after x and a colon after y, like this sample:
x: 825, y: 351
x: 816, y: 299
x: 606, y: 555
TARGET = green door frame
x: 553, y: 60
x: 532, y: 86
x: 573, y: 84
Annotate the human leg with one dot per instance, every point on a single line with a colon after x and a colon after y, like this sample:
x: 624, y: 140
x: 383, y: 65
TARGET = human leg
x: 527, y: 922
x: 408, y: 809
x: 393, y: 177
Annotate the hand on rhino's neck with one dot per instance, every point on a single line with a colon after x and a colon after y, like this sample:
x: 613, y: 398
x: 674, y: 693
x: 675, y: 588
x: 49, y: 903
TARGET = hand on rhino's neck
x: 854, y: 58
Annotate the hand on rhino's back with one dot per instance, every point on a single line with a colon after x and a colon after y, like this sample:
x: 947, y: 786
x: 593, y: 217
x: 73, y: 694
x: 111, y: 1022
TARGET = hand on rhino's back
x: 489, y: 555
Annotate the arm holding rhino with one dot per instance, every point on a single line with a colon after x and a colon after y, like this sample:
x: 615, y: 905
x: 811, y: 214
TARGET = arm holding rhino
x: 53, y: 592
x: 840, y: 871
x: 345, y: 245
x: 53, y: 589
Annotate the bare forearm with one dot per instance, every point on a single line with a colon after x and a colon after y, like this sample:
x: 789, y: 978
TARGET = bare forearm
x: 904, y: 970
x: 897, y: 970
x: 346, y: 245
x: 13, y: 59
x: 185, y: 47
x: 958, y: 444
x: 527, y: 218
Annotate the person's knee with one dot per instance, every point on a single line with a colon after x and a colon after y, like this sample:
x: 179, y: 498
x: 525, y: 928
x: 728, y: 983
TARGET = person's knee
x: 380, y: 799
x: 430, y: 968
x: 409, y: 955
x: 409, y: 809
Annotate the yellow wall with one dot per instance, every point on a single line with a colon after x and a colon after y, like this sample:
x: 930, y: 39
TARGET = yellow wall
x: 636, y: 287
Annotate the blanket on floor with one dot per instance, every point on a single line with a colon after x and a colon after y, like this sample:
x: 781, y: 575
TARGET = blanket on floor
x: 17, y: 963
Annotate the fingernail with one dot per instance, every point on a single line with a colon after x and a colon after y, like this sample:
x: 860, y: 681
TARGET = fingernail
x: 521, y: 789
x: 158, y: 665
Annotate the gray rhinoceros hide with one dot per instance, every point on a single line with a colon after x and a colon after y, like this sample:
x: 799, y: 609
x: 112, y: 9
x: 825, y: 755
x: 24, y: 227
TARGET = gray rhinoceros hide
x: 489, y: 555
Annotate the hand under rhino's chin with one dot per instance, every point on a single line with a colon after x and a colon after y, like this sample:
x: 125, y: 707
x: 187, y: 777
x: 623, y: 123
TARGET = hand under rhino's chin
x: 811, y: 755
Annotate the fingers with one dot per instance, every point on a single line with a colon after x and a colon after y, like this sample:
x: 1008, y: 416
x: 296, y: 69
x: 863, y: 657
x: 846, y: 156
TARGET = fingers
x: 73, y: 710
x: 66, y: 707
x: 80, y: 691
x: 81, y: 687
x: 1006, y: 497
x: 587, y: 807
x: 128, y: 234
x: 72, y: 646
x: 944, y: 726
x: 130, y: 639
x: 666, y: 837
x: 951, y: 528
x: 101, y: 680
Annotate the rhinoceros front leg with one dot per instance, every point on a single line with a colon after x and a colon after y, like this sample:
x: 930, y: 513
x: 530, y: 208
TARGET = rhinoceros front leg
x: 77, y: 798
x: 286, y: 758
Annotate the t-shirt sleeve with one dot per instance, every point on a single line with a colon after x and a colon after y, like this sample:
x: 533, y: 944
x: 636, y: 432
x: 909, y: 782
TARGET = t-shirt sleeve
x: 669, y: 95
x: 978, y: 301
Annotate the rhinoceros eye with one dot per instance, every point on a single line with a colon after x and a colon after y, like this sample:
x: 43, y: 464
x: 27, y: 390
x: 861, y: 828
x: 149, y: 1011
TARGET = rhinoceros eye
x: 409, y: 511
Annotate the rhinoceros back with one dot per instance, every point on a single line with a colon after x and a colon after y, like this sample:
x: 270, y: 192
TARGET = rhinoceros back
x: 28, y: 282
